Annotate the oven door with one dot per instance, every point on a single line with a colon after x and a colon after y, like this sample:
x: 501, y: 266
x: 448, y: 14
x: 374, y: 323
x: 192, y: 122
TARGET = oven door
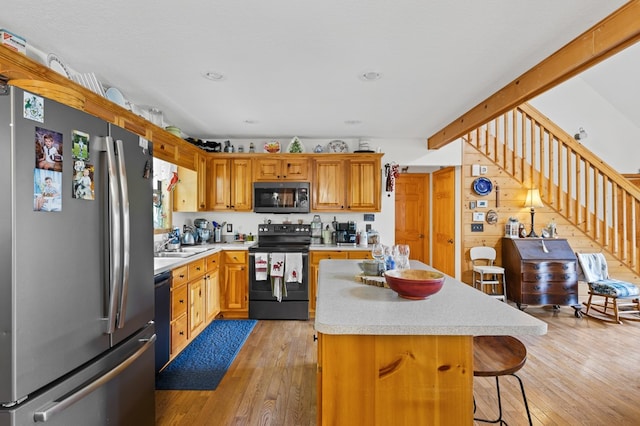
x: 261, y: 289
x: 263, y: 305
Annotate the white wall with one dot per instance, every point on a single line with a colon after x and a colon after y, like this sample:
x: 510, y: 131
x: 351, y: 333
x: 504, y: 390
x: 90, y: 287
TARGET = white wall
x: 611, y: 135
x: 404, y: 152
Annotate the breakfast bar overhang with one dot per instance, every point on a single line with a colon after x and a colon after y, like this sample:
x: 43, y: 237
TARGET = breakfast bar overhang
x: 387, y: 360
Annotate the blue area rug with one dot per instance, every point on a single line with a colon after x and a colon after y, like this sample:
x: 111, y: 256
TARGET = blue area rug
x: 202, y: 364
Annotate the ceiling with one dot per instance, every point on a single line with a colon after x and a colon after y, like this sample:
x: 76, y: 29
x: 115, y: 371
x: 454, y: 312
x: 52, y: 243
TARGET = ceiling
x: 293, y: 67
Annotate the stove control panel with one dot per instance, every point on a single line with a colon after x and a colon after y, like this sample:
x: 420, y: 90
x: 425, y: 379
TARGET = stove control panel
x: 284, y: 229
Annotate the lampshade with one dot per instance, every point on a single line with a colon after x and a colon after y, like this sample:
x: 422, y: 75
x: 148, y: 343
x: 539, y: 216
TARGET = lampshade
x: 533, y: 199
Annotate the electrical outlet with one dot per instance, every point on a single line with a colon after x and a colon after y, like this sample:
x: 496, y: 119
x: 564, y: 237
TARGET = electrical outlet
x: 369, y: 217
x: 229, y: 227
x: 483, y: 170
x: 477, y: 227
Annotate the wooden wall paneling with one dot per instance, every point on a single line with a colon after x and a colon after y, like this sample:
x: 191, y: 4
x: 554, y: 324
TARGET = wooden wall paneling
x: 512, y: 195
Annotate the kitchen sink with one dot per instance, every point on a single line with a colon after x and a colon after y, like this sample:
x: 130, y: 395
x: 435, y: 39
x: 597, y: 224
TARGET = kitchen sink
x: 192, y: 249
x: 175, y: 254
x: 181, y: 252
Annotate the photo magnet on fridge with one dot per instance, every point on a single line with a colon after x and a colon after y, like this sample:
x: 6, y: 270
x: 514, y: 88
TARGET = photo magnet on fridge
x: 48, y: 149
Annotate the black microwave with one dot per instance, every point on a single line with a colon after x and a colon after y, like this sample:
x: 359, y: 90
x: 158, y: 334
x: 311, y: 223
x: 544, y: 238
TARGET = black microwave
x: 281, y: 197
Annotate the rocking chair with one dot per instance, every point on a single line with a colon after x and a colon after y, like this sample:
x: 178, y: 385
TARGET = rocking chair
x: 595, y: 270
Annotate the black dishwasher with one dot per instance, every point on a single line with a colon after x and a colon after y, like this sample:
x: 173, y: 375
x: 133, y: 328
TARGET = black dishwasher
x: 162, y: 317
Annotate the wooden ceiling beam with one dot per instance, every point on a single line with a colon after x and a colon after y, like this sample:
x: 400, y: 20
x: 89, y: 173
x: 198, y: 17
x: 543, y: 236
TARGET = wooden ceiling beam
x: 616, y: 32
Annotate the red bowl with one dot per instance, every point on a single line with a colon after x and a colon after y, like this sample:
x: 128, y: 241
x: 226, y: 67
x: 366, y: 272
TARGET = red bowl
x: 415, y: 284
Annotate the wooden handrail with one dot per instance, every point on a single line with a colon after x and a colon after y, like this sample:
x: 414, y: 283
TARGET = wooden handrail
x: 572, y: 180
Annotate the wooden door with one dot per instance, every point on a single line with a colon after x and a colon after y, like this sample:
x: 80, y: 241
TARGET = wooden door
x: 412, y: 214
x: 443, y: 207
x: 241, y: 185
x: 235, y: 287
x: 328, y: 185
x: 219, y: 184
x: 296, y: 169
x: 212, y: 295
x: 202, y: 183
x: 364, y: 186
x: 196, y: 307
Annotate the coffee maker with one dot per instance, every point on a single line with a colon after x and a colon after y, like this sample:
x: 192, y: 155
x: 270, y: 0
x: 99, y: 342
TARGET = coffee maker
x: 346, y: 233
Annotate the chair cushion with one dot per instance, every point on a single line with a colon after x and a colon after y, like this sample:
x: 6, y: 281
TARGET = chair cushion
x: 617, y: 288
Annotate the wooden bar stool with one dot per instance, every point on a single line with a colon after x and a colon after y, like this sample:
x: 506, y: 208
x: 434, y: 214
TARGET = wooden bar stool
x: 495, y: 356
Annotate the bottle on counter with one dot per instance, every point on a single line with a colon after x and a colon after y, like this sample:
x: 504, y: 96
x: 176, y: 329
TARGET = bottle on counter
x: 363, y: 238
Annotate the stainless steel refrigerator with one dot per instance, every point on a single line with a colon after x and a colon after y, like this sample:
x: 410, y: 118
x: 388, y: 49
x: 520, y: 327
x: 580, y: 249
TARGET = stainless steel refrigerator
x: 76, y: 268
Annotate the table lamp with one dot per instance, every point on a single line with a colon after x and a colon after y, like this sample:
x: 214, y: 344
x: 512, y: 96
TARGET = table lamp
x: 533, y: 200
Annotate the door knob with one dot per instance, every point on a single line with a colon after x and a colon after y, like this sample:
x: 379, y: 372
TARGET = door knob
x: 450, y: 241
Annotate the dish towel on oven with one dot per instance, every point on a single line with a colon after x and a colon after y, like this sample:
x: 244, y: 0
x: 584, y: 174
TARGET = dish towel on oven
x: 293, y: 268
x: 262, y: 264
x: 278, y: 286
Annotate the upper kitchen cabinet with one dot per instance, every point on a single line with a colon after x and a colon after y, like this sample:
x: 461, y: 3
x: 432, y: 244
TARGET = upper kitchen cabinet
x: 229, y: 183
x: 175, y: 150
x: 284, y: 167
x: 190, y: 193
x: 347, y: 183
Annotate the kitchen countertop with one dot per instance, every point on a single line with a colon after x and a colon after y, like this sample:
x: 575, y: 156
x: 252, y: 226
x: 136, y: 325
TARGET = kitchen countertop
x: 163, y: 264
x: 335, y: 247
x: 345, y: 306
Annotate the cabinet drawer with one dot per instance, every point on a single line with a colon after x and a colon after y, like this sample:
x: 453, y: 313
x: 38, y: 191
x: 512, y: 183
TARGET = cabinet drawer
x: 178, y: 334
x: 550, y: 299
x: 235, y: 257
x: 549, y: 276
x: 165, y: 151
x: 555, y: 287
x: 178, y: 302
x: 563, y: 267
x: 196, y: 269
x: 317, y: 256
x: 212, y: 262
x: 360, y: 254
x: 179, y: 276
x: 186, y: 157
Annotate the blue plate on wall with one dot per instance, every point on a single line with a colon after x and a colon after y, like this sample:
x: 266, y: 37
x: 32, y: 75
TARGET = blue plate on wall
x: 482, y: 186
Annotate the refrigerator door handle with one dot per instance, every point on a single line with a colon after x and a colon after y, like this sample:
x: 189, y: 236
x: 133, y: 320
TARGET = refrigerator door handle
x: 126, y: 234
x: 114, y: 235
x: 52, y: 408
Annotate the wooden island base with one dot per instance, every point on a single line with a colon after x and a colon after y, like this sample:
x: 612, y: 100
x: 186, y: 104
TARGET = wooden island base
x: 395, y: 379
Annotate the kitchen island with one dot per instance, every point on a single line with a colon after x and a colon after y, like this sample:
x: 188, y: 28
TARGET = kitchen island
x: 386, y: 360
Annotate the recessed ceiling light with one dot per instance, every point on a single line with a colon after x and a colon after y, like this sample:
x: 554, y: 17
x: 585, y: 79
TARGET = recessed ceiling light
x: 213, y: 75
x: 370, y: 76
x: 250, y: 121
x: 352, y: 122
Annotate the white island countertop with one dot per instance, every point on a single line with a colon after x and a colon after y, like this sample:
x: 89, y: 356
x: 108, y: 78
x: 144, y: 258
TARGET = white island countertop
x: 346, y: 306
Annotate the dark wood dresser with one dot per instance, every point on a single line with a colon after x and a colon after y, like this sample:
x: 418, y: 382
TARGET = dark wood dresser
x: 539, y: 277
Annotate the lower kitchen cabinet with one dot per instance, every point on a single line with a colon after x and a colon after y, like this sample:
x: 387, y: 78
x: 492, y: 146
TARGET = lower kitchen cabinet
x: 235, y: 284
x: 178, y: 317
x: 212, y: 287
x: 195, y: 300
x: 314, y: 262
x: 394, y: 379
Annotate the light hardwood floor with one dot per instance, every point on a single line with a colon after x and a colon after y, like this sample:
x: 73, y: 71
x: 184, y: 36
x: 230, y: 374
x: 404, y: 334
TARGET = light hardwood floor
x: 583, y: 372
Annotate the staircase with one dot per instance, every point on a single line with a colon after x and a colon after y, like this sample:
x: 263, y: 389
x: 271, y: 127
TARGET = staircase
x: 574, y: 182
